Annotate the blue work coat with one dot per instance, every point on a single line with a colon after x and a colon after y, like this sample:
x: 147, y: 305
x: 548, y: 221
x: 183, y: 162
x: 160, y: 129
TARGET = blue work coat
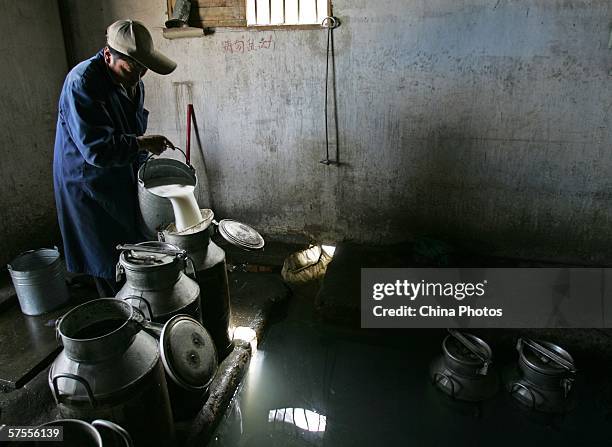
x: 94, y: 167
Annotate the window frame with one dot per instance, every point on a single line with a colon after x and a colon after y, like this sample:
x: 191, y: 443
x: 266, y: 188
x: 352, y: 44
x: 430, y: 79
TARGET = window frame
x: 245, y: 27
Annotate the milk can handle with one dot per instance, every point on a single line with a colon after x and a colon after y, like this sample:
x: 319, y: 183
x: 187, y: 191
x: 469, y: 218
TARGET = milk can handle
x: 123, y: 434
x: 119, y: 271
x: 141, y: 299
x: 79, y: 379
x: 437, y: 378
x: 154, y: 329
x: 566, y: 383
x: 58, y: 337
x: 190, y: 268
x: 517, y: 385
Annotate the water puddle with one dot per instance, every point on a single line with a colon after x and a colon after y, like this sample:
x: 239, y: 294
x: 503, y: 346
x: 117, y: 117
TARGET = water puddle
x: 313, y: 385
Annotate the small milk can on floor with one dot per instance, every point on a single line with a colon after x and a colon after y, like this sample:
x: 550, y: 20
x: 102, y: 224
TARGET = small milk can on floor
x: 464, y: 370
x: 156, y: 282
x: 545, y: 377
x: 111, y: 369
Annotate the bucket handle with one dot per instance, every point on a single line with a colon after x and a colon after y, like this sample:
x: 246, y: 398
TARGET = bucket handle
x: 81, y: 380
x: 122, y: 432
x: 141, y: 299
x: 144, y: 164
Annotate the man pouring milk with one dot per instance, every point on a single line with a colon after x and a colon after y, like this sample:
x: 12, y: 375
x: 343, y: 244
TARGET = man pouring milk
x: 99, y: 143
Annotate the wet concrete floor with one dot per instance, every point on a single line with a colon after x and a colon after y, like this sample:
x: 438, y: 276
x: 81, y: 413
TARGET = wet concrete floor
x: 315, y: 384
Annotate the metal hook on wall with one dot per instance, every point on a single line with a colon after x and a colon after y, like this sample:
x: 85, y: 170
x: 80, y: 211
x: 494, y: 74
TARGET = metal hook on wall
x: 330, y: 22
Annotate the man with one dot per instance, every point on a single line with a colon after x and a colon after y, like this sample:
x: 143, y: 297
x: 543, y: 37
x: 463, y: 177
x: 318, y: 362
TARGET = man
x: 98, y: 146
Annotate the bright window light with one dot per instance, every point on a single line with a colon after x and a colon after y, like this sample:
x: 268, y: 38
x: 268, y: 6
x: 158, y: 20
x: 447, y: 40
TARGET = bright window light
x: 246, y: 334
x: 329, y: 249
x: 305, y: 419
x: 286, y: 12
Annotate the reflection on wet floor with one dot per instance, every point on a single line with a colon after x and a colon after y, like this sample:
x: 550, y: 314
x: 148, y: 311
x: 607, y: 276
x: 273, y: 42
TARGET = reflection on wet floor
x: 311, y: 384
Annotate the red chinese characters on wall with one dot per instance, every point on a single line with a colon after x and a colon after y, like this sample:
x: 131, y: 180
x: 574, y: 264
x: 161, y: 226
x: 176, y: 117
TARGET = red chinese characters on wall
x: 248, y: 45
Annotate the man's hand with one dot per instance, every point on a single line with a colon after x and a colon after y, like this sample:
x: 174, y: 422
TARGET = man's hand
x: 155, y: 144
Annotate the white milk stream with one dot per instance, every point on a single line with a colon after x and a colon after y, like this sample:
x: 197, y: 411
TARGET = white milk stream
x: 186, y: 210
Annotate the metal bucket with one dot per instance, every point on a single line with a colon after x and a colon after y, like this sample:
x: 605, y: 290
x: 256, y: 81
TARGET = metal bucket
x: 156, y: 212
x: 38, y: 277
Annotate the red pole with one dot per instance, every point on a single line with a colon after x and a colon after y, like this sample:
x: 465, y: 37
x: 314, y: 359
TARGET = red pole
x: 188, y: 146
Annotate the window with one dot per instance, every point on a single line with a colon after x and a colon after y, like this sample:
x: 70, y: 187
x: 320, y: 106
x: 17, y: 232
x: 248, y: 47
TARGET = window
x: 286, y: 12
x: 255, y: 13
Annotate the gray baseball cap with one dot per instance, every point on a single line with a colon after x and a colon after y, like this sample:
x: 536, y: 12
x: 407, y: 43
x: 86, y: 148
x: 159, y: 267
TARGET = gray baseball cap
x: 133, y: 39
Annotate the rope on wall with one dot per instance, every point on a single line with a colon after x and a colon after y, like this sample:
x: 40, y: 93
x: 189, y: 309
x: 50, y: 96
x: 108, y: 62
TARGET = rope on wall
x: 330, y: 23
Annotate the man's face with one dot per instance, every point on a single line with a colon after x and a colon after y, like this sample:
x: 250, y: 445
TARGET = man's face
x: 127, y: 71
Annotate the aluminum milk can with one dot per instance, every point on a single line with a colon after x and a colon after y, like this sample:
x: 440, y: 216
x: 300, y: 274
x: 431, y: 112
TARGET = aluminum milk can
x: 209, y: 261
x: 546, y: 376
x: 111, y: 369
x: 211, y: 273
x: 156, y: 282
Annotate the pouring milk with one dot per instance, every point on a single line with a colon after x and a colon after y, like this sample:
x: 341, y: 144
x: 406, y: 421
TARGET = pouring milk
x: 186, y: 210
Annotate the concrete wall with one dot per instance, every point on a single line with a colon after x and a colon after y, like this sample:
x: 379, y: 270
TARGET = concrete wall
x: 483, y: 122
x: 31, y: 75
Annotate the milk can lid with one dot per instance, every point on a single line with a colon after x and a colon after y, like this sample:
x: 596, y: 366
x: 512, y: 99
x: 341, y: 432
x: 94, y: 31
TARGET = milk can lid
x: 147, y: 254
x: 462, y: 354
x: 241, y: 235
x: 188, y: 353
x: 545, y: 357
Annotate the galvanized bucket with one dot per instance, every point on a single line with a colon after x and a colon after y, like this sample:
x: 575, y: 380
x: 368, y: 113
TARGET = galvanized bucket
x: 38, y: 277
x: 156, y: 212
